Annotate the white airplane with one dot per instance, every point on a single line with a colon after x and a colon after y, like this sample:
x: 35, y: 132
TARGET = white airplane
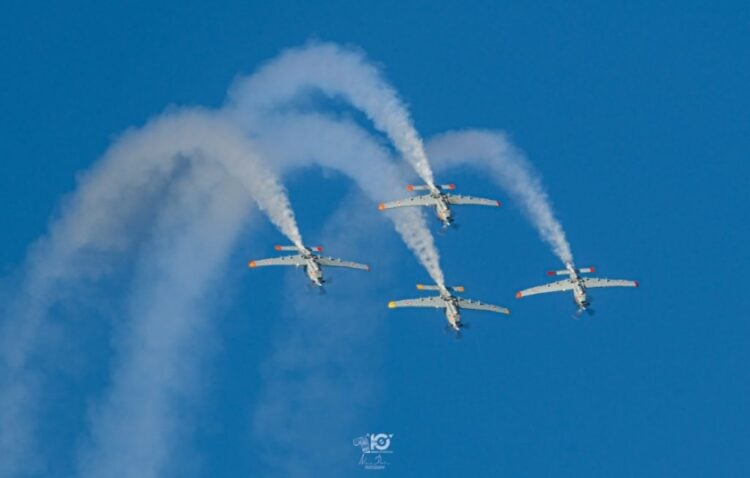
x: 577, y: 284
x: 312, y: 263
x: 450, y: 303
x: 440, y: 200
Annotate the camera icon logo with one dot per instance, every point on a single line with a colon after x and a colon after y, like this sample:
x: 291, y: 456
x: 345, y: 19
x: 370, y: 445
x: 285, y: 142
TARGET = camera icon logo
x: 380, y: 442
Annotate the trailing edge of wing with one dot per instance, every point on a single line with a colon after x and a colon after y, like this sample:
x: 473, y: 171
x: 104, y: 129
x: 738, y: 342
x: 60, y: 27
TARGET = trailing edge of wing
x: 425, y: 200
x: 435, y: 302
x: 558, y: 286
x: 594, y: 282
x: 472, y: 201
x: 334, y: 262
x: 476, y: 305
x: 279, y: 261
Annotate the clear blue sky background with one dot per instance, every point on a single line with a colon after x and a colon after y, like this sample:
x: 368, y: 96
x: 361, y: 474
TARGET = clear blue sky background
x: 636, y: 116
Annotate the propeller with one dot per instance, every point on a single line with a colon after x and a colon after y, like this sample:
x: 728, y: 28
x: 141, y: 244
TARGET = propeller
x: 579, y: 313
x: 451, y: 331
x: 318, y: 288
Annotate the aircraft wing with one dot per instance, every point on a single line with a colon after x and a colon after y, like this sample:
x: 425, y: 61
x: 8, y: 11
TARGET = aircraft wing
x: 471, y: 200
x: 435, y: 302
x: 425, y: 200
x: 296, y: 260
x: 476, y: 305
x: 333, y: 262
x: 558, y: 286
x: 594, y: 282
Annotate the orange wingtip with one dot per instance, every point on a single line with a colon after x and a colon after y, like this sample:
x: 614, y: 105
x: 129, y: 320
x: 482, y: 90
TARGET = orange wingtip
x: 252, y: 264
x: 409, y: 187
x: 420, y: 287
x: 518, y: 295
x: 278, y: 248
x: 459, y: 288
x: 391, y: 305
x: 381, y: 206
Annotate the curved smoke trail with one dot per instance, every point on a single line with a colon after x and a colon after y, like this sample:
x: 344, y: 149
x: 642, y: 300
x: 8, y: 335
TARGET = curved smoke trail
x: 299, y: 140
x: 508, y: 167
x: 97, y: 222
x: 137, y: 427
x: 336, y: 71
x: 346, y: 73
x: 143, y: 162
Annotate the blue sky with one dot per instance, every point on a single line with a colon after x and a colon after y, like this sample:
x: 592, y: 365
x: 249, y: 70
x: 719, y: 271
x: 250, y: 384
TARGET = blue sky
x: 635, y: 116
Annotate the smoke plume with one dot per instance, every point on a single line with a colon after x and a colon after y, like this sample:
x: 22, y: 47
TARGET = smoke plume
x: 491, y: 151
x: 336, y: 71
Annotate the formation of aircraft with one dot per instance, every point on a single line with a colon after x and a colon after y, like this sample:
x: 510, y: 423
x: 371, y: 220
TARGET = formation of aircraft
x: 312, y: 263
x: 450, y: 303
x: 440, y: 200
x: 577, y: 284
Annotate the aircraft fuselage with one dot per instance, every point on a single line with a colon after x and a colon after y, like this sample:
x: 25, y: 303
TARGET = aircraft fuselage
x: 313, y: 269
x: 442, y: 209
x: 452, y: 313
x: 579, y: 290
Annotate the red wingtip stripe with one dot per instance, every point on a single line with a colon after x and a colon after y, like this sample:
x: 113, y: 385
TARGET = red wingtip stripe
x: 518, y: 295
x: 409, y: 187
x: 550, y: 273
x: 278, y: 248
x: 593, y: 269
x: 451, y: 186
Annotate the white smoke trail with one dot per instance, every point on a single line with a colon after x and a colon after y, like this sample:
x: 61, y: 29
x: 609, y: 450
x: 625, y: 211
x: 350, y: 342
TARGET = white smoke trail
x: 296, y: 140
x: 118, y: 446
x: 508, y: 167
x: 136, y: 429
x: 335, y: 71
x: 96, y: 225
x: 317, y: 336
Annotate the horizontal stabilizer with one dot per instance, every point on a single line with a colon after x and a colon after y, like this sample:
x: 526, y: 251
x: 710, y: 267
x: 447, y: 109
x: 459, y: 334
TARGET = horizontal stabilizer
x: 458, y: 288
x: 565, y: 272
x: 294, y: 248
x: 425, y: 187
